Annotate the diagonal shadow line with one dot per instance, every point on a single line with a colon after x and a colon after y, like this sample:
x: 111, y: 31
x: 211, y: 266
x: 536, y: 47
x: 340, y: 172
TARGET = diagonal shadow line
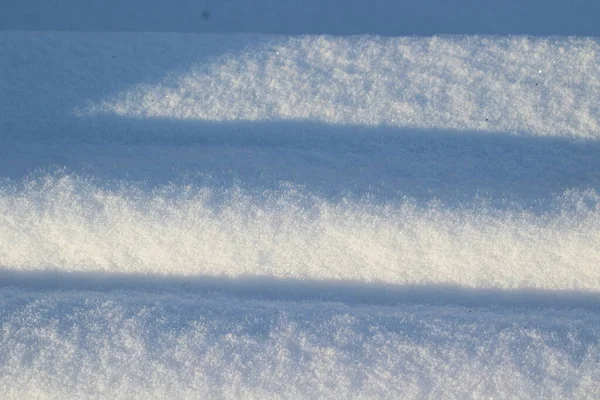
x: 44, y: 76
x: 289, y: 289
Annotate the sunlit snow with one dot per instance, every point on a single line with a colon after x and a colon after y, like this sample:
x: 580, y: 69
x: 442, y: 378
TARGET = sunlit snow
x: 260, y: 199
x: 513, y: 85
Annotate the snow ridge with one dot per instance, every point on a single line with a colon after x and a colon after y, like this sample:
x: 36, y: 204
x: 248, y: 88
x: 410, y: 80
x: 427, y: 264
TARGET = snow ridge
x: 67, y: 224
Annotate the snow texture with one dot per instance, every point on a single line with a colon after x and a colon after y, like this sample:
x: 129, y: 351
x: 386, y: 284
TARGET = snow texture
x: 133, y: 345
x: 238, y: 200
x: 67, y: 225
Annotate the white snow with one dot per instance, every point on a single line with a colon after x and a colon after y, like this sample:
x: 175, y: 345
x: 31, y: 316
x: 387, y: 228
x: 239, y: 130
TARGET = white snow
x: 68, y: 225
x: 514, y: 85
x: 235, y: 200
x: 123, y: 345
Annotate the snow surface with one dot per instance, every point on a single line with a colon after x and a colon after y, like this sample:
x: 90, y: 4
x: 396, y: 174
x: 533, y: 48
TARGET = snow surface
x: 264, y: 215
x: 67, y: 225
x: 292, y: 17
x: 132, y: 344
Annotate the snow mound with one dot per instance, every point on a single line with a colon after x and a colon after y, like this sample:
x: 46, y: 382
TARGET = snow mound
x: 88, y: 86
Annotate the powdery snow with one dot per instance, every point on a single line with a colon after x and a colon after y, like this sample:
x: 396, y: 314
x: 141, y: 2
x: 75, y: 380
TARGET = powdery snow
x: 513, y: 85
x: 518, y: 85
x: 138, y: 345
x: 266, y: 216
x: 68, y: 225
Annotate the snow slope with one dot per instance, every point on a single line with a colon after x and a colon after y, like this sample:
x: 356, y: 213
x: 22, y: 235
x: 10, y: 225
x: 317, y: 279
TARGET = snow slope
x: 263, y: 215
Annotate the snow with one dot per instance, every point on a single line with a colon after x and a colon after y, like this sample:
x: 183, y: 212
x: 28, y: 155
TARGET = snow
x: 339, y: 116
x: 241, y: 200
x: 155, y: 345
x: 68, y: 225
x: 317, y: 17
